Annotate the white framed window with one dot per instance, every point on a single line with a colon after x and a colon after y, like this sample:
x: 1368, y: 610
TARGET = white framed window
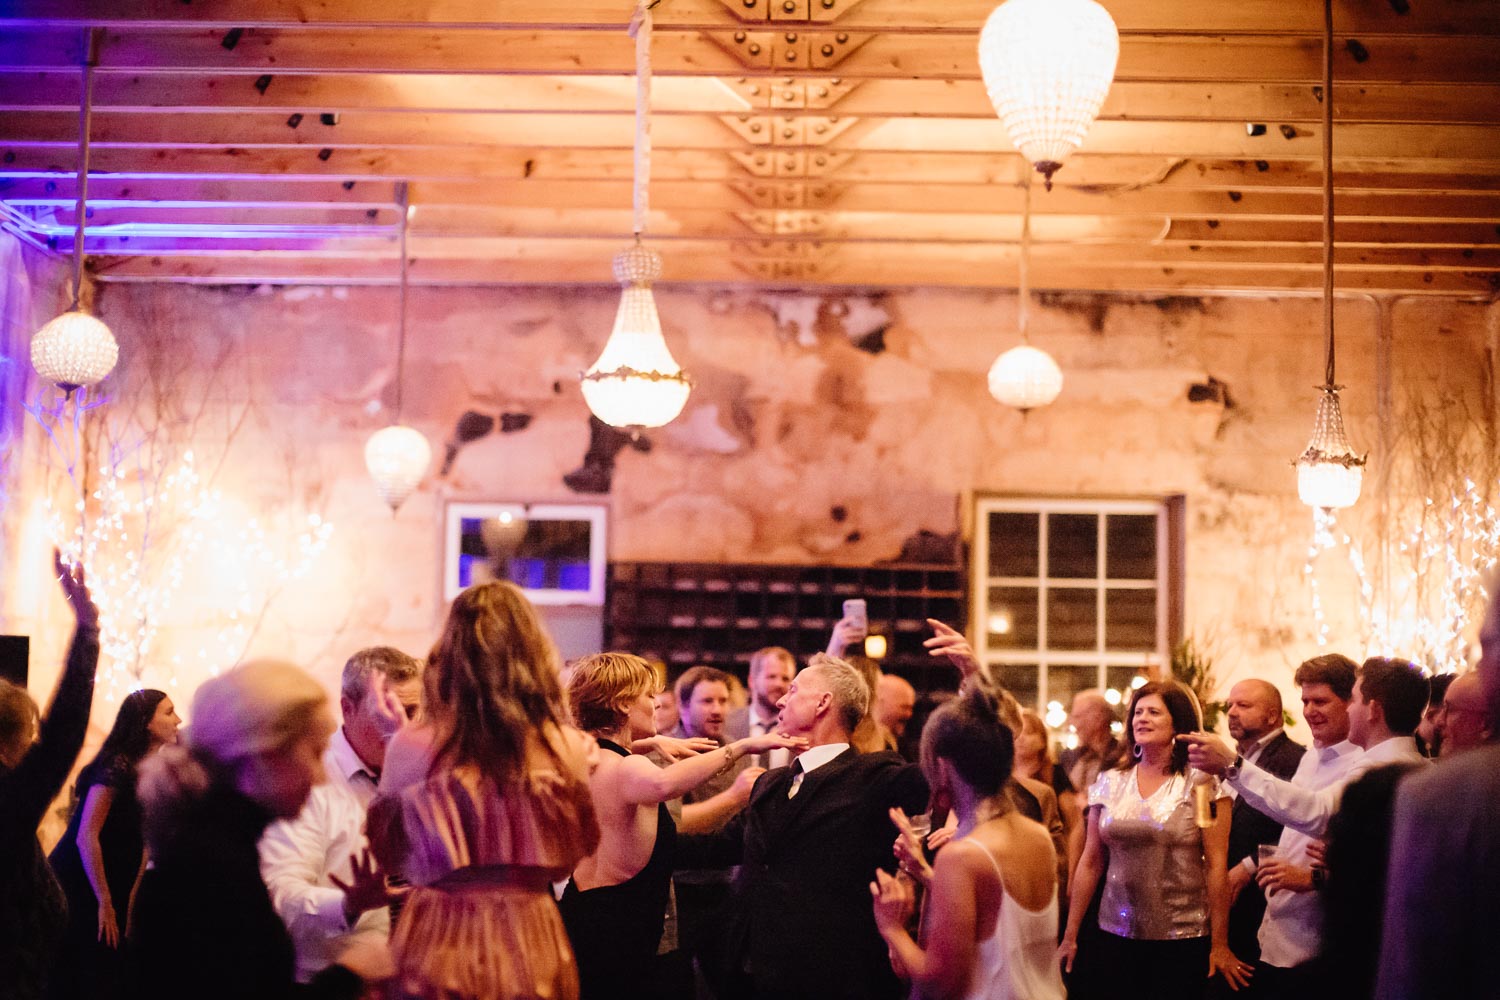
x: 1070, y: 594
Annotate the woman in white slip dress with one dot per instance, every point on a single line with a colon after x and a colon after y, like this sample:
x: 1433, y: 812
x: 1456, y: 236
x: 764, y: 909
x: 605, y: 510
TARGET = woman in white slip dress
x: 991, y: 916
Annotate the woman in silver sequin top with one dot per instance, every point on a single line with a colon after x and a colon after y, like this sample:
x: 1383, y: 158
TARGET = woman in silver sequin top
x: 1165, y: 903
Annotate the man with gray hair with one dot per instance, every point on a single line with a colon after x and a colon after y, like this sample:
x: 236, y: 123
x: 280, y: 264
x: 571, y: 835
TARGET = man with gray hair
x: 808, y: 843
x: 317, y: 866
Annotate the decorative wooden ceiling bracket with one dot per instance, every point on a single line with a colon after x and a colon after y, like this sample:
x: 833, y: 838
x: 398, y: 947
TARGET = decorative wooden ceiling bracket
x: 790, y: 164
x: 787, y: 130
x: 752, y: 48
x: 794, y: 223
x: 792, y: 93
x: 791, y: 11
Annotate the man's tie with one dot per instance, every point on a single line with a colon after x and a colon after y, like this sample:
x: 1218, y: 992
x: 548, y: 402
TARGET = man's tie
x: 797, y: 775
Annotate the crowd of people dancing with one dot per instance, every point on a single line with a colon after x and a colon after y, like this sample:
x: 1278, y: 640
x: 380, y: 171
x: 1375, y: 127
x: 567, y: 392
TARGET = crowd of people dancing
x: 493, y: 823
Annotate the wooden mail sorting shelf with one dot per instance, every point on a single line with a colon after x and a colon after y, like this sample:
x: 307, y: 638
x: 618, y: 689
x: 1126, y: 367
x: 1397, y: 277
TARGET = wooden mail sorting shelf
x: 716, y: 614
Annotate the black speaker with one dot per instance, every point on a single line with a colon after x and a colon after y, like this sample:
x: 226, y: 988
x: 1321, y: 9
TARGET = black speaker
x: 15, y: 658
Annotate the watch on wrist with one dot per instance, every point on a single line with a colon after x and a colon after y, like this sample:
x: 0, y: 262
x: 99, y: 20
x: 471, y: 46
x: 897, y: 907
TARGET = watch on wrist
x: 1233, y: 770
x: 1319, y: 877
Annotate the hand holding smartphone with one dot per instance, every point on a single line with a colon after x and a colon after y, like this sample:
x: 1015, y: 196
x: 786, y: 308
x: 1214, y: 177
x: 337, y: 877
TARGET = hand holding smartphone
x: 857, y: 615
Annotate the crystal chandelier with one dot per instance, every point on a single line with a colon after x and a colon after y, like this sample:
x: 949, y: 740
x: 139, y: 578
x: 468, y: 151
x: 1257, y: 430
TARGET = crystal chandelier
x: 397, y: 456
x: 1047, y: 65
x: 1025, y: 377
x: 75, y: 349
x: 635, y: 382
x: 1329, y: 472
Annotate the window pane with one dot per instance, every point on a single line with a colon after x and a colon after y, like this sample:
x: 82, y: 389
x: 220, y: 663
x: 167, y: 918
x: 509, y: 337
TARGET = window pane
x: 1014, y: 542
x: 1020, y: 679
x: 1073, y: 618
x: 1130, y: 619
x: 1072, y: 546
x: 1010, y: 621
x: 1131, y: 546
x: 1119, y: 679
x: 1064, y: 681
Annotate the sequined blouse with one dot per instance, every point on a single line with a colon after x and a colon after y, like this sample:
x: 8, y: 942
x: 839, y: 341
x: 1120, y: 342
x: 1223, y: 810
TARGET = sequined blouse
x: 1156, y: 885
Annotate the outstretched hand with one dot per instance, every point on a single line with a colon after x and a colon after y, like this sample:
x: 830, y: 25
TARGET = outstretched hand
x: 893, y: 901
x: 773, y: 741
x: 673, y: 748
x: 366, y: 888
x: 949, y: 642
x: 1208, y: 753
x: 76, y: 590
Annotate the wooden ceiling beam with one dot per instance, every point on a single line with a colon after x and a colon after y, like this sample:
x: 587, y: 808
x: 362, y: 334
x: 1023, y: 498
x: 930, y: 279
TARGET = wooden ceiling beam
x: 1115, y: 252
x: 471, y: 204
x: 480, y: 134
x: 1273, y: 104
x: 1275, y: 17
x: 480, y: 168
x: 256, y: 51
x: 585, y: 262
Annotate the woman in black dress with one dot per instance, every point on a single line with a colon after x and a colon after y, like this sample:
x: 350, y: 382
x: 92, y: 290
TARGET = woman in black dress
x: 615, y: 905
x: 34, y: 763
x: 100, y: 859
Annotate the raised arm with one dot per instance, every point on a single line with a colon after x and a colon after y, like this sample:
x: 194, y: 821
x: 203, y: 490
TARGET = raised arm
x: 1303, y: 809
x: 29, y: 789
x: 643, y: 783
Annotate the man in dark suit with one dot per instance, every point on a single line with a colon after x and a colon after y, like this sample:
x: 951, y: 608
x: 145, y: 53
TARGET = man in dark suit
x: 1255, y: 722
x: 1442, y: 901
x: 801, y: 923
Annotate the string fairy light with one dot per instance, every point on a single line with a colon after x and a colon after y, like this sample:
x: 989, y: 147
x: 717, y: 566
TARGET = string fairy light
x: 1452, y: 550
x: 145, y: 527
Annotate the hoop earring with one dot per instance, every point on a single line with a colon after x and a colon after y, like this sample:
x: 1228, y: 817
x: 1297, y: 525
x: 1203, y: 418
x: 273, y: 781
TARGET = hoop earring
x: 1135, y: 750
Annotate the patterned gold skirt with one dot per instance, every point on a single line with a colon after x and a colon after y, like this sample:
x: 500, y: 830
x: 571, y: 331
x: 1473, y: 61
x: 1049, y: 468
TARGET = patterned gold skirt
x: 482, y: 941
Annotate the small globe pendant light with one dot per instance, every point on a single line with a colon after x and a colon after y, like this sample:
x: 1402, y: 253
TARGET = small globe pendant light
x: 76, y: 350
x: 1047, y: 65
x: 635, y: 382
x: 398, y: 456
x: 1025, y: 377
x: 1329, y: 471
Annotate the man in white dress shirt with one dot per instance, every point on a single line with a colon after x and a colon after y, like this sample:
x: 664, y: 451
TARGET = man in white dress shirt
x: 317, y: 866
x: 1291, y: 934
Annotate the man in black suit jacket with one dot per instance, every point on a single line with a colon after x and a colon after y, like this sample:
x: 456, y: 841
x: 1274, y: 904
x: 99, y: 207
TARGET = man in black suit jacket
x: 1255, y: 722
x: 801, y: 923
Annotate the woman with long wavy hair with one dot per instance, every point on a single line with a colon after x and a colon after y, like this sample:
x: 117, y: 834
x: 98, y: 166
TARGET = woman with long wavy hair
x: 483, y: 807
x: 102, y: 855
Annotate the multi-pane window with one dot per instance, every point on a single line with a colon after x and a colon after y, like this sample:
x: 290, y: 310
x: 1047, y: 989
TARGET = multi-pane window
x: 1069, y: 594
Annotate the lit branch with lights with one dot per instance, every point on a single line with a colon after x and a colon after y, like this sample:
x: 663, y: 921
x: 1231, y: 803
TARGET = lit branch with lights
x: 140, y: 522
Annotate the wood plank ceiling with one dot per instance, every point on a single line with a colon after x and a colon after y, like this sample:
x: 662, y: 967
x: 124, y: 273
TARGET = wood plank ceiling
x: 798, y: 142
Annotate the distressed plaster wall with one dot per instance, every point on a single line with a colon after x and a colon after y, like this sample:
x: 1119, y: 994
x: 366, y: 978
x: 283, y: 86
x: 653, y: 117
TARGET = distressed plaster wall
x: 822, y: 429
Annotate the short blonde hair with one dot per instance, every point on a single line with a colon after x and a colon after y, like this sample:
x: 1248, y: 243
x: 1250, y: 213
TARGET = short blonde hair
x: 851, y: 695
x: 258, y: 707
x: 601, y: 688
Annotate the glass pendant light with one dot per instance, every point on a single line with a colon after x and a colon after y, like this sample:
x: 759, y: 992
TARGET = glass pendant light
x: 635, y: 382
x: 398, y: 456
x: 76, y: 350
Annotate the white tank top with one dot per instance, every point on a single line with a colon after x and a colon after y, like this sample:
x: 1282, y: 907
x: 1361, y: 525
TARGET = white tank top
x: 1019, y: 960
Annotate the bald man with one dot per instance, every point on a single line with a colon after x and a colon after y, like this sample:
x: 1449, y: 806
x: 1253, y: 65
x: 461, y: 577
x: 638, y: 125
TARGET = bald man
x: 1097, y: 748
x: 1256, y: 724
x: 1464, y: 721
x: 895, y: 700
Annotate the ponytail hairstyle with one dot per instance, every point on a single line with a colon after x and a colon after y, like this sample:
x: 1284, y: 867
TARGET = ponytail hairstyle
x: 968, y: 733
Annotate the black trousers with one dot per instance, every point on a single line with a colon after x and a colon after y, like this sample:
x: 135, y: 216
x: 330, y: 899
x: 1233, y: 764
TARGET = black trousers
x: 1150, y: 970
x: 1300, y: 982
